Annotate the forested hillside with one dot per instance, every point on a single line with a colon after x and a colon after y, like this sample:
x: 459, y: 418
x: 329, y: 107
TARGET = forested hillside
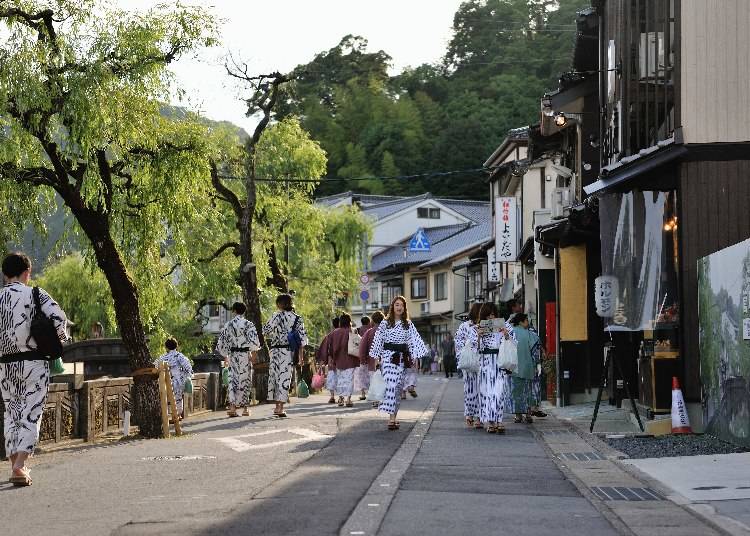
x: 502, y: 57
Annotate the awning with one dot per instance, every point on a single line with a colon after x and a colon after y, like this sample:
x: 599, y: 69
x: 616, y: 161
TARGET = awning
x: 635, y: 167
x: 382, y: 278
x: 526, y: 255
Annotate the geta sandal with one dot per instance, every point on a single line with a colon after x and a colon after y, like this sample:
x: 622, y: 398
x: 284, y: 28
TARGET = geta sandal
x: 349, y: 404
x: 500, y: 429
x: 517, y: 420
x: 341, y: 401
x: 331, y: 400
x: 20, y: 480
x: 469, y: 422
x: 392, y: 426
x: 478, y: 425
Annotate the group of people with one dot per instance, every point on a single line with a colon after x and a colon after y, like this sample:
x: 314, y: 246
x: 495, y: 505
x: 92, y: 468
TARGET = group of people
x: 388, y: 342
x: 492, y: 391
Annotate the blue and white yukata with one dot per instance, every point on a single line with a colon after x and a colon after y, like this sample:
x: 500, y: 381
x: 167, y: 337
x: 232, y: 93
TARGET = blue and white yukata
x: 180, y: 370
x: 280, y: 365
x: 393, y: 373
x: 492, y: 384
x: 467, y: 334
x: 237, y: 339
x: 24, y: 384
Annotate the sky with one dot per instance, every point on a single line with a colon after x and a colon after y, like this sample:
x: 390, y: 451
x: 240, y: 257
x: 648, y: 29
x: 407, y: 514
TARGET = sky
x: 281, y: 34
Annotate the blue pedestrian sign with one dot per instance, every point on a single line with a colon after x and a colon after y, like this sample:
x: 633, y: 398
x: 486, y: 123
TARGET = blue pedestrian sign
x: 364, y: 295
x: 419, y: 242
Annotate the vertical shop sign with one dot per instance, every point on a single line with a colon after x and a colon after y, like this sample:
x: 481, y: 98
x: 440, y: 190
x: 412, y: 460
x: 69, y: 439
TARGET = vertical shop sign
x: 493, y: 269
x: 506, y: 229
x: 605, y: 295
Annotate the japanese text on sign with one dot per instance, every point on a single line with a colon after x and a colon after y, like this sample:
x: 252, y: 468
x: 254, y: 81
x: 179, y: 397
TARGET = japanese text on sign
x: 506, y: 229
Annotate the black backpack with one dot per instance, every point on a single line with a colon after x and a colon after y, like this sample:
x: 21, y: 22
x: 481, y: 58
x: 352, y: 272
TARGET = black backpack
x: 43, y: 331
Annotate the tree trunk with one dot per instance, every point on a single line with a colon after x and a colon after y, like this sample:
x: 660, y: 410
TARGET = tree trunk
x: 277, y: 278
x: 248, y: 278
x: 146, y: 406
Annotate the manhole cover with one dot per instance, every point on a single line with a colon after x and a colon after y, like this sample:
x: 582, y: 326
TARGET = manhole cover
x: 177, y: 457
x: 616, y: 493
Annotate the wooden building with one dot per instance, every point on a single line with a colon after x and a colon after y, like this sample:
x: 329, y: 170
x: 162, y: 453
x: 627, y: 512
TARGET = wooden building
x: 674, y: 178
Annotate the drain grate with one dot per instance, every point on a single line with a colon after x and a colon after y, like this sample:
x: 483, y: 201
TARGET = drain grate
x: 556, y: 432
x: 580, y: 456
x: 615, y: 493
x: 177, y: 458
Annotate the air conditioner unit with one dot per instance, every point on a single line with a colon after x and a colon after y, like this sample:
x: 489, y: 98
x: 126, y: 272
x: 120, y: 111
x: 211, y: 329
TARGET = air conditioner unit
x: 562, y: 199
x: 424, y: 308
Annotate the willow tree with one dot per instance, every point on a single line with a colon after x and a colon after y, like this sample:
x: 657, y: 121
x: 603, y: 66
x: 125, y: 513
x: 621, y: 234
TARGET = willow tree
x: 80, y: 86
x: 292, y: 243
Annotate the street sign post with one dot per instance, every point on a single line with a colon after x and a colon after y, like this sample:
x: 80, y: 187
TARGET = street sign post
x: 365, y: 295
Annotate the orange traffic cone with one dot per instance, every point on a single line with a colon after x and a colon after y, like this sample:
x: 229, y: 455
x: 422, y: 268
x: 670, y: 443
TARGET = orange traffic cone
x: 680, y: 421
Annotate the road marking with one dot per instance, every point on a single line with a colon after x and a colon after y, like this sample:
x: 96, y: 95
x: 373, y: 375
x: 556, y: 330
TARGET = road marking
x: 237, y: 444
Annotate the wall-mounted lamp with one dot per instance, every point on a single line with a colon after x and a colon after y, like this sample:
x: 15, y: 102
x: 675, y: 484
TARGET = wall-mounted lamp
x: 561, y: 120
x: 671, y: 225
x: 548, y: 178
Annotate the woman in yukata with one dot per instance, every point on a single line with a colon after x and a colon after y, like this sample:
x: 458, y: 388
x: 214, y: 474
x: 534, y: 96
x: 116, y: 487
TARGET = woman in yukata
x: 276, y: 332
x: 179, y: 369
x: 397, y: 344
x: 491, y: 377
x: 467, y: 333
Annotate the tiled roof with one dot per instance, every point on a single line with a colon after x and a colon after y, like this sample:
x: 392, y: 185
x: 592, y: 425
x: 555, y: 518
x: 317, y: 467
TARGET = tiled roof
x: 446, y: 242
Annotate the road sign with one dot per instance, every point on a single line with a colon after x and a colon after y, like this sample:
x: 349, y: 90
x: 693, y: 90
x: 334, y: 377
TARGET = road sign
x: 364, y: 279
x: 365, y: 295
x: 419, y: 242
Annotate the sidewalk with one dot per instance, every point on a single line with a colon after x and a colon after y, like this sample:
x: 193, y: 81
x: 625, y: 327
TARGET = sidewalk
x: 714, y: 487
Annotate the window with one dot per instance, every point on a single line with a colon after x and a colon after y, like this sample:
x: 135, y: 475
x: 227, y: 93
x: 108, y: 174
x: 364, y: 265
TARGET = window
x: 441, y: 281
x: 213, y: 309
x: 428, y: 213
x: 475, y: 284
x: 388, y: 292
x: 418, y: 287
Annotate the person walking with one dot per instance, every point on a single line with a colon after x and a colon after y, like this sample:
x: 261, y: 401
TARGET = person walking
x: 366, y: 362
x: 521, y: 399
x: 321, y: 357
x: 24, y: 373
x: 364, y: 327
x: 344, y: 362
x: 448, y: 347
x: 238, y: 344
x: 428, y: 359
x: 277, y: 332
x: 467, y: 333
x: 491, y: 385
x: 396, y: 344
x: 180, y: 371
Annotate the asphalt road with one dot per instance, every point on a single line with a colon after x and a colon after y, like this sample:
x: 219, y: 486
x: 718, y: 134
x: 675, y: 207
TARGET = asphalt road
x: 306, y: 474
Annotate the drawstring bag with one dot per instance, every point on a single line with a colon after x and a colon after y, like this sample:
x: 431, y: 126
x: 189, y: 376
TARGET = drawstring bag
x: 56, y: 366
x: 508, y: 356
x: 189, y: 385
x: 377, y: 387
x: 318, y: 380
x: 468, y: 359
x: 225, y: 376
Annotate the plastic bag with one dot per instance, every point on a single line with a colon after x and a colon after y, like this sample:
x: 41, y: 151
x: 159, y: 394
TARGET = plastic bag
x: 188, y: 385
x: 468, y: 359
x: 508, y: 357
x: 377, y: 387
x: 302, y: 390
x: 318, y: 381
x: 225, y: 376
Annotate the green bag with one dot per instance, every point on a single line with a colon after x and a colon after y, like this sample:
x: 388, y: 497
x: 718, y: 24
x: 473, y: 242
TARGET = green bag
x: 56, y: 366
x: 302, y: 390
x: 189, y: 385
x: 225, y: 376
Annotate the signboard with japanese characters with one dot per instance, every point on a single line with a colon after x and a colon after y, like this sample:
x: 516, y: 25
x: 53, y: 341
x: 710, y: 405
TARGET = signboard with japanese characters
x: 605, y: 295
x: 506, y: 229
x: 493, y: 268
